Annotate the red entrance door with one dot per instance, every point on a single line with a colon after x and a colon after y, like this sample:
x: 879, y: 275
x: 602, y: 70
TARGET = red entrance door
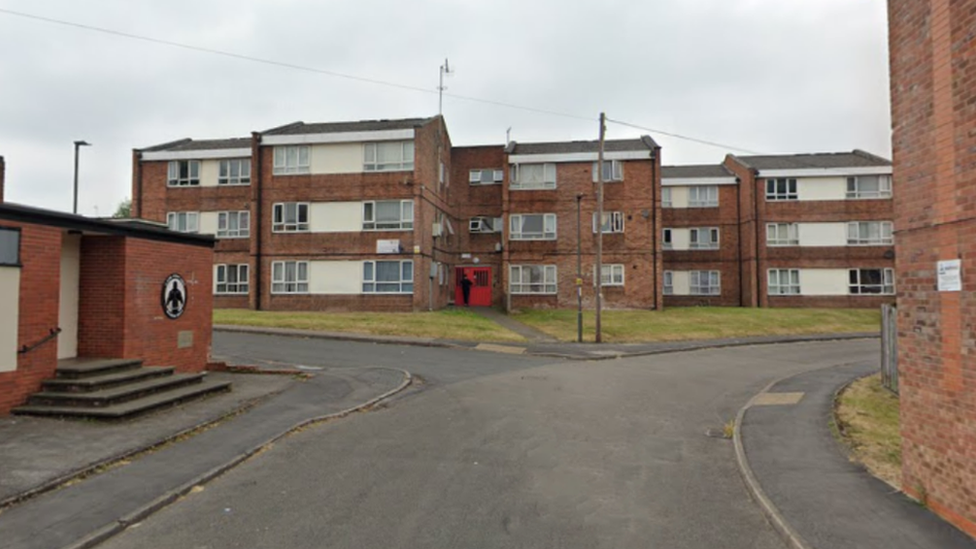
x: 480, y: 278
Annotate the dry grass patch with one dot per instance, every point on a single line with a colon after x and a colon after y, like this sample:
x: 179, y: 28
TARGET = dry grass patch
x: 868, y: 420
x: 702, y: 323
x: 444, y: 324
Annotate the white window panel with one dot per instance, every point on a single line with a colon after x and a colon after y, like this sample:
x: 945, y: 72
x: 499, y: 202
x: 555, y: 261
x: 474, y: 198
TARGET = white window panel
x: 613, y: 170
x: 872, y: 281
x: 292, y: 159
x: 533, y: 177
x: 290, y: 217
x: 388, y: 156
x: 783, y: 282
x: 388, y: 277
x: 532, y: 227
x: 782, y: 234
x: 231, y: 279
x: 486, y: 176
x: 668, y: 283
x: 613, y: 275
x: 613, y: 222
x: 870, y: 233
x: 388, y: 215
x: 183, y: 222
x: 234, y: 224
x: 235, y: 172
x: 704, y: 238
x: 532, y: 279
x: 781, y: 189
x: 183, y: 173
x: 704, y: 196
x: 666, y: 197
x: 869, y: 186
x: 706, y: 283
x: 289, y: 277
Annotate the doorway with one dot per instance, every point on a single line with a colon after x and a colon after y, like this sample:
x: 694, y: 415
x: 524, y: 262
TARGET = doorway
x: 480, y: 278
x: 68, y: 304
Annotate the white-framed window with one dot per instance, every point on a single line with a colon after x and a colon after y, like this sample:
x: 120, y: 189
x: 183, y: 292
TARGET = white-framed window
x: 183, y: 222
x: 291, y: 159
x: 870, y: 233
x: 528, y: 177
x: 706, y: 283
x: 703, y: 196
x: 613, y: 275
x: 487, y: 176
x: 613, y: 222
x: 290, y: 217
x: 234, y: 224
x: 872, y: 281
x: 388, y: 215
x: 869, y: 186
x: 704, y: 238
x: 235, y: 171
x: 666, y: 197
x: 783, y: 282
x: 782, y: 234
x: 388, y: 277
x: 388, y: 156
x: 183, y: 173
x: 485, y: 225
x: 532, y: 279
x: 613, y: 170
x: 666, y: 242
x: 231, y: 279
x: 668, y: 283
x: 532, y: 227
x: 781, y: 189
x: 289, y: 277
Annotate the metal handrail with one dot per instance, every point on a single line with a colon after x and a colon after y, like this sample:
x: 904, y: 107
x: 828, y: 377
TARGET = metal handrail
x: 28, y: 348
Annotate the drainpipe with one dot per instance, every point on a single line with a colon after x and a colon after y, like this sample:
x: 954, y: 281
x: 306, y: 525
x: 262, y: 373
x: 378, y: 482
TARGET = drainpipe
x: 755, y: 216
x: 256, y: 195
x: 738, y: 249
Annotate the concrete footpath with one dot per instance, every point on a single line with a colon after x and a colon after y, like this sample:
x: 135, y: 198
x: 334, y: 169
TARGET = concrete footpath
x: 809, y: 489
x: 85, y: 513
x: 568, y: 351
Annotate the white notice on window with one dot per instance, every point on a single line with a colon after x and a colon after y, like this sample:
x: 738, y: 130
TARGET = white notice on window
x: 950, y: 275
x: 387, y: 246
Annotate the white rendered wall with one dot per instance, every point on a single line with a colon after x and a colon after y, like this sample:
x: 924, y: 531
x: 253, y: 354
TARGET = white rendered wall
x: 821, y: 188
x: 335, y: 277
x: 822, y: 234
x: 679, y: 197
x: 208, y: 222
x: 209, y: 171
x: 68, y: 299
x: 336, y: 217
x: 681, y: 282
x: 10, y: 296
x: 336, y: 158
x: 824, y: 281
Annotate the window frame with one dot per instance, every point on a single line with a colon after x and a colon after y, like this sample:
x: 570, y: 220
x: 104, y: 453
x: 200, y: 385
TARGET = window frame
x: 614, y: 268
x: 405, y: 283
x: 792, y: 234
x: 515, y: 184
x: 497, y: 176
x: 775, y: 195
x: 615, y: 222
x: 179, y: 181
x: 668, y: 283
x: 707, y: 289
x: 224, y: 218
x: 698, y: 202
x: 186, y: 216
x: 667, y: 239
x: 228, y: 180
x: 514, y: 219
x: 616, y: 171
x: 790, y: 285
x: 280, y: 162
x: 240, y: 287
x: 713, y: 244
x: 370, y: 224
x: 374, y: 165
x: 666, y: 197
x: 281, y: 286
x: 884, y: 228
x: 520, y: 287
x: 884, y: 191
x: 855, y: 285
x: 17, y: 237
x: 284, y: 226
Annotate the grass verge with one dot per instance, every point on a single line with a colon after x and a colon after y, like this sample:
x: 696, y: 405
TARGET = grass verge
x: 702, y: 323
x: 868, y: 421
x: 444, y: 324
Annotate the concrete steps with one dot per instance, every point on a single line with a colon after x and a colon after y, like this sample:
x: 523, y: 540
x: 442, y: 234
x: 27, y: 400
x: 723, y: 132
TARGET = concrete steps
x: 114, y: 389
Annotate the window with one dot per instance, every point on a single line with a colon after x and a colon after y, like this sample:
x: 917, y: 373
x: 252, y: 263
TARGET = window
x: 485, y: 177
x: 703, y: 196
x: 183, y: 222
x: 235, y: 172
x: 388, y: 215
x: 668, y: 283
x: 485, y: 225
x: 289, y: 277
x: 389, y: 156
x: 183, y: 173
x: 9, y: 247
x: 782, y: 234
x: 781, y: 189
x: 532, y: 227
x: 613, y: 170
x: 872, y: 281
x: 231, y: 279
x: 234, y: 224
x: 666, y: 241
x: 613, y: 222
x: 705, y: 238
x: 666, y: 197
x: 292, y: 159
x: 869, y: 233
x: 533, y: 176
x: 290, y: 217
x: 783, y: 282
x: 706, y: 283
x: 869, y: 186
x: 388, y: 277
x: 613, y: 275
x: 533, y: 279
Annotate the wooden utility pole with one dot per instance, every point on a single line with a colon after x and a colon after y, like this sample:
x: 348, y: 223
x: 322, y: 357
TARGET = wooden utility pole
x: 599, y: 231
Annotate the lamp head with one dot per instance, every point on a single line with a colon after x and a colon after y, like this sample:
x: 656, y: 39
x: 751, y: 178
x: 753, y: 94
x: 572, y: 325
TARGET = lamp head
x: 82, y: 143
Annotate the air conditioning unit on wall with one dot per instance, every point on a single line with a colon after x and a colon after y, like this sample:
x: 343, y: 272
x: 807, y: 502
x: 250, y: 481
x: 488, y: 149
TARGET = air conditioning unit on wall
x: 485, y: 225
x: 437, y: 230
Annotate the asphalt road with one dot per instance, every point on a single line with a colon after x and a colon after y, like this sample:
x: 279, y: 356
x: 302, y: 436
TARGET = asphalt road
x: 502, y: 451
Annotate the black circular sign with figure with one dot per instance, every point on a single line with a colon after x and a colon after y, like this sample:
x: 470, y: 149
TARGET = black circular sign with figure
x: 174, y: 296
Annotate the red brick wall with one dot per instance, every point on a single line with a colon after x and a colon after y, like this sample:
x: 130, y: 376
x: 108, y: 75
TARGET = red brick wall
x: 933, y: 92
x: 40, y: 284
x: 102, y: 290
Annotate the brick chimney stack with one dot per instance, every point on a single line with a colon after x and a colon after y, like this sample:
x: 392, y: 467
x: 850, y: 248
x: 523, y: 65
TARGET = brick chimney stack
x: 2, y: 168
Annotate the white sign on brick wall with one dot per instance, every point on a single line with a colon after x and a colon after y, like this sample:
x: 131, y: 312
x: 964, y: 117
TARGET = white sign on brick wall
x: 950, y: 275
x: 387, y: 246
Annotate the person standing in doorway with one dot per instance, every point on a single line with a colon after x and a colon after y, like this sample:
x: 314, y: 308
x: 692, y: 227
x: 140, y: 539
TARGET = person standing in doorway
x: 466, y: 289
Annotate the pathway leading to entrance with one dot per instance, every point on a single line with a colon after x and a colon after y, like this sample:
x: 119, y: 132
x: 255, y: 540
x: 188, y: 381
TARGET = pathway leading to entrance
x: 528, y: 332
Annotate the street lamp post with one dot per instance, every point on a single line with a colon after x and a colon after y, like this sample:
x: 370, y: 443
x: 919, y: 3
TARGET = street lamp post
x: 78, y: 145
x: 579, y: 272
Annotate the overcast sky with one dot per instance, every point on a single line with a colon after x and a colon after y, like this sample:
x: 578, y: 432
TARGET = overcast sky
x: 764, y: 75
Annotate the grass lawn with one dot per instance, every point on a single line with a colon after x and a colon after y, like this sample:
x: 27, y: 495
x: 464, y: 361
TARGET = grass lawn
x: 702, y: 323
x: 446, y: 324
x: 867, y: 415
